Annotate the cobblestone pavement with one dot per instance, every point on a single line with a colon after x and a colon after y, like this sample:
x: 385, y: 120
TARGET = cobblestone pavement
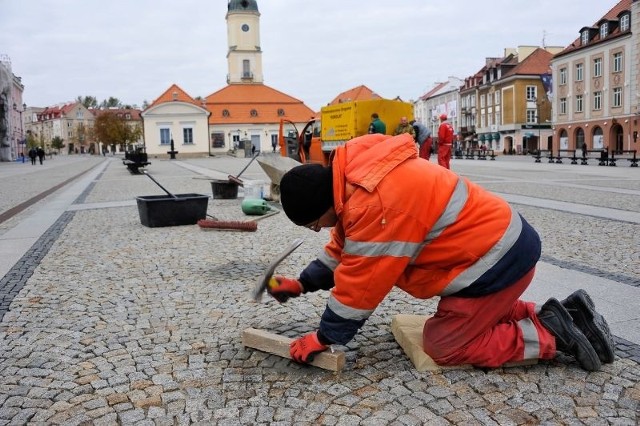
x: 119, y: 323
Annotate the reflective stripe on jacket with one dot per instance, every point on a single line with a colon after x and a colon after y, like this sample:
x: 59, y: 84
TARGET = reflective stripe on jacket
x: 415, y: 225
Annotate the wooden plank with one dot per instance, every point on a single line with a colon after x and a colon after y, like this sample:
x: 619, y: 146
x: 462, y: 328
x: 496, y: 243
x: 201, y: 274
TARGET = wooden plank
x: 407, y: 329
x: 279, y: 345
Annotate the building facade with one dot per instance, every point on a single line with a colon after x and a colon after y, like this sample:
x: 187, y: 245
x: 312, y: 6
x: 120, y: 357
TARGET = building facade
x: 505, y: 106
x: 12, y: 108
x: 443, y: 98
x: 71, y: 122
x: 595, y: 84
x: 515, y: 111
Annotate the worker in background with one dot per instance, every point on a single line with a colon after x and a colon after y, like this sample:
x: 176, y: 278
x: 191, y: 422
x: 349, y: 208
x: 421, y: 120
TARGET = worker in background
x: 423, y: 139
x: 404, y: 127
x: 377, y: 125
x: 445, y: 139
x: 399, y: 221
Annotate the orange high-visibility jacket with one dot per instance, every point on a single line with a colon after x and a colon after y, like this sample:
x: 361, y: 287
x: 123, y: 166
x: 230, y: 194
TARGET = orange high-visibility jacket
x: 405, y: 222
x: 445, y: 134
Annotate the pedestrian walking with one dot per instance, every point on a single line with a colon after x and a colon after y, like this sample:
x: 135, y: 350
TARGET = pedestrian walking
x: 33, y: 153
x: 40, y: 153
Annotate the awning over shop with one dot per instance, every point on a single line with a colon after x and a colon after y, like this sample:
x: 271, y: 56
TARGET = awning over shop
x: 528, y: 135
x: 481, y: 138
x: 496, y: 136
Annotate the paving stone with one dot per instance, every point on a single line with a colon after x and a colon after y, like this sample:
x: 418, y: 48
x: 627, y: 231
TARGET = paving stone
x: 117, y: 398
x: 160, y: 342
x: 131, y: 416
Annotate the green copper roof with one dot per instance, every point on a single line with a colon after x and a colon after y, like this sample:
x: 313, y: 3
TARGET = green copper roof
x: 243, y: 5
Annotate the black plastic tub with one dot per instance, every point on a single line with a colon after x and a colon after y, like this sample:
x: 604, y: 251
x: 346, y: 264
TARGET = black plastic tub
x: 224, y: 189
x: 161, y: 210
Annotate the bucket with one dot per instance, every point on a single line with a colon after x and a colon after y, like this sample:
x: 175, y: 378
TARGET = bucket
x: 224, y: 189
x: 254, y: 190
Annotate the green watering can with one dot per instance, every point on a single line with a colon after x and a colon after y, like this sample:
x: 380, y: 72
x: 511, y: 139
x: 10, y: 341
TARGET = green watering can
x: 253, y: 206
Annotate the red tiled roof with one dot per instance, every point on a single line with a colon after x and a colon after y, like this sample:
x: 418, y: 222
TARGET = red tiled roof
x: 68, y: 107
x: 535, y: 64
x: 359, y: 93
x: 269, y: 105
x: 56, y: 111
x: 122, y: 112
x: 610, y: 15
x: 174, y: 93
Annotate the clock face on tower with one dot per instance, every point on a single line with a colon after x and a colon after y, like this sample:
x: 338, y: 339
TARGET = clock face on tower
x: 245, y: 27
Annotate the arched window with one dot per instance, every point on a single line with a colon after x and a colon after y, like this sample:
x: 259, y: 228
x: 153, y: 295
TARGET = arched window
x: 598, y: 138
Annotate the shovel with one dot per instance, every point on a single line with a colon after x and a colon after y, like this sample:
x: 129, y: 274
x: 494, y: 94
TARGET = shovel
x: 236, y: 179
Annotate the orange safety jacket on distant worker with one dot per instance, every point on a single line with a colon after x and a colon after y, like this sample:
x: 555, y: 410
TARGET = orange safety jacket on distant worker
x: 409, y: 223
x: 445, y: 134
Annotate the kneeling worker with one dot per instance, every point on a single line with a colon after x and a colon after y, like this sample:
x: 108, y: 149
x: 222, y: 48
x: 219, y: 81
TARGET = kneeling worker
x: 399, y: 221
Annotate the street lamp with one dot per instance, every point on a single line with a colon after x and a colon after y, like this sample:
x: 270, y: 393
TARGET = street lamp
x: 22, y: 140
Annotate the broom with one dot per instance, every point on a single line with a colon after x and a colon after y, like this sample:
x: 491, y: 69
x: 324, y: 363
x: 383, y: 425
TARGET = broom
x: 227, y: 225
x: 249, y: 225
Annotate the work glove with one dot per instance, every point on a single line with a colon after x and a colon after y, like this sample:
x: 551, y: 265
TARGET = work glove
x: 303, y: 349
x: 281, y: 288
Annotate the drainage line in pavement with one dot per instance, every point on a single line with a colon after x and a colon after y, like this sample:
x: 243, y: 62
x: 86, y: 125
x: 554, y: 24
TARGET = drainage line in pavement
x: 17, y: 277
x: 6, y: 215
x: 19, y: 274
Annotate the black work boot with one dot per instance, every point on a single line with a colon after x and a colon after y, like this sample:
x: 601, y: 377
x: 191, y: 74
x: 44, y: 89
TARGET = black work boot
x: 569, y: 339
x: 591, y: 323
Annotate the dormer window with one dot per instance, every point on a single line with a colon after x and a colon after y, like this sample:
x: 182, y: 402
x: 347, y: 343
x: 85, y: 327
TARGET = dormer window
x: 624, y: 22
x: 225, y: 113
x: 604, y: 30
x: 254, y: 113
x: 584, y: 38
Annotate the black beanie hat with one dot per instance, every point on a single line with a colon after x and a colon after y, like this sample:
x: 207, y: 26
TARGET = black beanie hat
x: 306, y: 192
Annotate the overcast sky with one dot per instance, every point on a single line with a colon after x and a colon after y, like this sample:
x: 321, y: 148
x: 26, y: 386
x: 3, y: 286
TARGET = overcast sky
x: 312, y: 50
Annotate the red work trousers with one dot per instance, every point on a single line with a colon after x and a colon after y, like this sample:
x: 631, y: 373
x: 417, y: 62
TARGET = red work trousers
x: 487, y: 331
x: 444, y: 155
x: 425, y: 149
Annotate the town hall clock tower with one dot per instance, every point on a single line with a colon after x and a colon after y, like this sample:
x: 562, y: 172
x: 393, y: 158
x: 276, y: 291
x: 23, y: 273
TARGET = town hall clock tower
x: 244, y: 57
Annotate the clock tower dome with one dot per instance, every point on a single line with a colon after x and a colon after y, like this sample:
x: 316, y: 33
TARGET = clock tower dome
x: 244, y: 57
